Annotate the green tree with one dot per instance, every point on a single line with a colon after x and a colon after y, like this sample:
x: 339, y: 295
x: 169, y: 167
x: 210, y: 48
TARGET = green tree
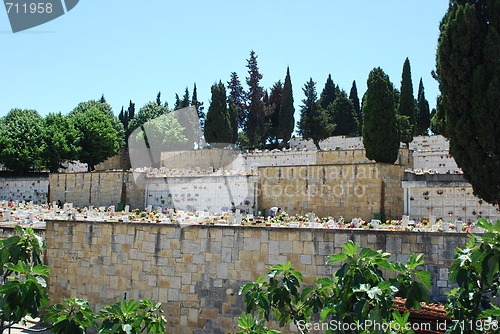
x: 423, y: 114
x: 21, y: 140
x: 405, y: 129
x: 98, y: 137
x: 199, y: 106
x: 158, y: 99
x: 61, y: 141
x: 103, y: 99
x: 407, y: 100
x: 107, y: 110
x: 148, y: 112
x: 329, y: 93
x: 238, y: 99
x: 380, y: 129
x: 353, y: 96
x: 468, y: 71
x: 185, y: 102
x: 218, y: 131
x: 343, y: 115
x: 255, y: 126
x: 314, y: 122
x: 274, y: 106
x: 287, y: 110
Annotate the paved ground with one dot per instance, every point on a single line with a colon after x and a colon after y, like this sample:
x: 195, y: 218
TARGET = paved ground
x: 30, y: 325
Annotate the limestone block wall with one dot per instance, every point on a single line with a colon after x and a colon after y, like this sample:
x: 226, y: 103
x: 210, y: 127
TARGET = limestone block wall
x: 216, y: 158
x: 444, y: 196
x: 196, y: 271
x: 33, y: 189
x: 208, y: 193
x: 348, y: 190
x: 357, y: 156
x: 97, y: 188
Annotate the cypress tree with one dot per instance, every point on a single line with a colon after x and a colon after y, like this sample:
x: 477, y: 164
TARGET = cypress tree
x: 103, y: 99
x: 286, y: 122
x: 178, y: 102
x: 121, y: 116
x: 468, y: 71
x: 237, y: 97
x: 273, y: 108
x: 329, y: 93
x: 158, y: 99
x: 185, y: 99
x: 423, y: 119
x: 314, y: 122
x: 407, y: 100
x: 218, y: 131
x: 343, y: 115
x: 353, y: 96
x: 255, y: 126
x: 198, y: 105
x: 380, y: 129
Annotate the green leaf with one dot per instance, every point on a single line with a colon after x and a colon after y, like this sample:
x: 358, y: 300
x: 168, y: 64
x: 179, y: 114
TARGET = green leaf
x: 425, y: 277
x: 351, y: 248
x: 368, y: 253
x: 337, y: 258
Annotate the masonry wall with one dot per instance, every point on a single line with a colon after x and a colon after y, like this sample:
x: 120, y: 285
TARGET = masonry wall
x: 357, y: 156
x: 27, y: 189
x: 348, y: 190
x: 98, y: 189
x: 196, y: 271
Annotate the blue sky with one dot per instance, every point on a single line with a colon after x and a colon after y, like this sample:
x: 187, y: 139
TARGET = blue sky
x: 130, y: 50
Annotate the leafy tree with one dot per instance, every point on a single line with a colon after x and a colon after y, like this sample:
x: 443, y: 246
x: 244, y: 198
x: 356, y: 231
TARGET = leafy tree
x: 287, y: 110
x: 61, y: 141
x: 437, y: 121
x: 407, y: 100
x: 255, y: 126
x: 356, y: 293
x: 98, y: 137
x: 107, y: 110
x: 329, y: 93
x: 424, y: 118
x: 23, y: 277
x: 405, y: 129
x: 380, y: 129
x: 468, y: 72
x: 218, y: 129
x: 476, y: 271
x: 148, y: 112
x: 274, y: 105
x: 233, y: 118
x: 314, y: 121
x: 199, y: 106
x: 343, y: 115
x: 21, y: 140
x: 238, y: 99
x: 353, y: 96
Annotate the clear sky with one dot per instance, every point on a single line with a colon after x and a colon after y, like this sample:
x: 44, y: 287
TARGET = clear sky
x: 130, y: 50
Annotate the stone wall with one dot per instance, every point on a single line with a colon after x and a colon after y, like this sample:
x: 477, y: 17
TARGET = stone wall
x: 27, y: 189
x: 196, y: 271
x: 348, y: 190
x: 98, y: 189
x: 358, y: 156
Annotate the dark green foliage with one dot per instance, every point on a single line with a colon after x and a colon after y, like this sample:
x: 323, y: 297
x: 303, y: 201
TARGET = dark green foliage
x: 380, y: 130
x: 423, y: 114
x: 199, y: 106
x: 131, y: 110
x: 72, y: 317
x: 468, y: 71
x: 286, y: 122
x: 329, y: 93
x: 21, y: 140
x: 407, y: 100
x: 158, y: 99
x: 353, y: 96
x: 238, y: 99
x: 61, y: 141
x: 437, y: 121
x: 343, y: 115
x: 218, y: 128
x: 255, y: 125
x: 185, y: 102
x: 107, y: 110
x: 103, y: 99
x: 273, y: 106
x: 178, y: 102
x: 314, y: 122
x: 476, y: 271
x: 356, y: 293
x: 405, y: 129
x: 98, y: 137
